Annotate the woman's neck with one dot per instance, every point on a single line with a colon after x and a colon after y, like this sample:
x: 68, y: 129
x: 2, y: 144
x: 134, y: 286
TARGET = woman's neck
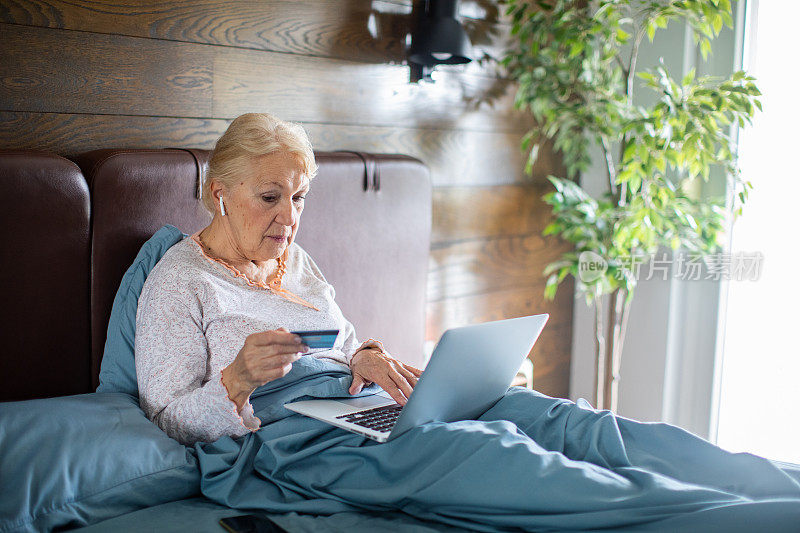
x: 219, y: 245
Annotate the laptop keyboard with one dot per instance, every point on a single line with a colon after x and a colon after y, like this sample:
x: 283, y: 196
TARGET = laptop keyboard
x: 377, y: 418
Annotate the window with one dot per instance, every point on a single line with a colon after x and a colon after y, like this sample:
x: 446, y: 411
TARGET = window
x: 760, y: 379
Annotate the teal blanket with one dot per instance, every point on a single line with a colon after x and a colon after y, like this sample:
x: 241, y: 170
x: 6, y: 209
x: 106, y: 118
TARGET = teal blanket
x: 531, y: 462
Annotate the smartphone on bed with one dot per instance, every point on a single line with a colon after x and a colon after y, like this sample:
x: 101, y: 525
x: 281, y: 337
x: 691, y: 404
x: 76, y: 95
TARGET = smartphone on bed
x: 250, y: 523
x: 319, y: 340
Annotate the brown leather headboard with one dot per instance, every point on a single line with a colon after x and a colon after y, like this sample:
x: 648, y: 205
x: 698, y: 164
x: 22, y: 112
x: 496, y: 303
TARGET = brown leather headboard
x: 366, y: 223
x: 44, y: 277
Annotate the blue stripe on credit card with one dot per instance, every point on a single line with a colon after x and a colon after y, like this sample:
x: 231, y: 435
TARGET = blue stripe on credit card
x: 319, y: 339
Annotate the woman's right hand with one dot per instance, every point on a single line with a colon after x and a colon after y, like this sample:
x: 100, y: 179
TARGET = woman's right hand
x: 265, y: 356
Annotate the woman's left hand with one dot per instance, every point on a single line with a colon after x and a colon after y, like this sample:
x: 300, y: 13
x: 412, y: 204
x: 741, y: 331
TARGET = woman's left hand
x: 372, y: 365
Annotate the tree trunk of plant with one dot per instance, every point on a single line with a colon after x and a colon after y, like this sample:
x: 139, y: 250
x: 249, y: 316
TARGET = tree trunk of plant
x: 609, y: 339
x: 600, y: 352
x: 617, y: 322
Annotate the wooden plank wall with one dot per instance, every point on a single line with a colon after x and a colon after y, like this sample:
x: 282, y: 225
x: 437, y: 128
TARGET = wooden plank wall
x: 77, y: 75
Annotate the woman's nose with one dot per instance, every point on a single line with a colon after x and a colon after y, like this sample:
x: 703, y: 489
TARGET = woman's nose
x: 288, y: 213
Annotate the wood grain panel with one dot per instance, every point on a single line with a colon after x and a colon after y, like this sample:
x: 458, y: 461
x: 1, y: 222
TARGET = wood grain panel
x: 359, y: 30
x: 551, y: 353
x: 79, y: 72
x: 347, y: 92
x: 70, y: 134
x: 463, y: 158
x: 476, y: 266
x: 494, y: 211
x: 455, y: 157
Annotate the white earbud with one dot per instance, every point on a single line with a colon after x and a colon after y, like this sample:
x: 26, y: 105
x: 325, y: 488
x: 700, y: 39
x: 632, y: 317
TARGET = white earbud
x: 221, y: 206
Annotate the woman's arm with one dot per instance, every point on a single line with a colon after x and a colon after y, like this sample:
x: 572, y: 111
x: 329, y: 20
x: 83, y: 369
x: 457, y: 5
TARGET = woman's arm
x: 171, y: 364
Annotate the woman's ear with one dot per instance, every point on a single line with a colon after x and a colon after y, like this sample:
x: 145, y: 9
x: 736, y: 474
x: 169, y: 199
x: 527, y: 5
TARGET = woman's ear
x: 216, y: 190
x: 217, y: 195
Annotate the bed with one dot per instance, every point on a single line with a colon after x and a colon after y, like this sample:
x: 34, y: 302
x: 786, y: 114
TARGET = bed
x: 76, y: 451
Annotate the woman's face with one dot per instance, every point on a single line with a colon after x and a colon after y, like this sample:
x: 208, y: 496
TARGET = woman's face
x: 263, y: 208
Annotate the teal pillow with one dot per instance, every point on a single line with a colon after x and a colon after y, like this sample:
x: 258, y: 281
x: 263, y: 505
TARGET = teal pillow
x: 75, y: 460
x: 118, y: 369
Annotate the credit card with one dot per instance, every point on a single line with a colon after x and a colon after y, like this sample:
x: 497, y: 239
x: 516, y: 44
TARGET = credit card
x: 322, y: 339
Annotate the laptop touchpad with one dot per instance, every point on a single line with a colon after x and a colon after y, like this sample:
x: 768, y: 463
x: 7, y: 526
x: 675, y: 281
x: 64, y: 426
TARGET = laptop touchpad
x: 373, y: 400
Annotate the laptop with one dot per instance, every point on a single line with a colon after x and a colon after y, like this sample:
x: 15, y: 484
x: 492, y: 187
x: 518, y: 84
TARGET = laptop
x: 470, y: 369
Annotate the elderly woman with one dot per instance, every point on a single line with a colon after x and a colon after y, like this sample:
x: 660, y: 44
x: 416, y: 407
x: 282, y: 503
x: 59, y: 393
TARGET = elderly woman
x: 213, y: 325
x: 213, y: 317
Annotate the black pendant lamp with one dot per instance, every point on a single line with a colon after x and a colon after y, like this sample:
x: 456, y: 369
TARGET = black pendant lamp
x: 438, y: 39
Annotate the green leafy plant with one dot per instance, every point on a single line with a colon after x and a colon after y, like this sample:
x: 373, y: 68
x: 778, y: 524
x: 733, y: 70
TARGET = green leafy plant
x: 576, y: 67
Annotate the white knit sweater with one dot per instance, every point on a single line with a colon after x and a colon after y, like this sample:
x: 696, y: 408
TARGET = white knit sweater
x: 193, y: 317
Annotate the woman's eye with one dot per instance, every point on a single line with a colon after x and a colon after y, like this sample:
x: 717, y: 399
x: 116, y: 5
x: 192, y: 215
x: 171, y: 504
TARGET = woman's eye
x: 273, y: 198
